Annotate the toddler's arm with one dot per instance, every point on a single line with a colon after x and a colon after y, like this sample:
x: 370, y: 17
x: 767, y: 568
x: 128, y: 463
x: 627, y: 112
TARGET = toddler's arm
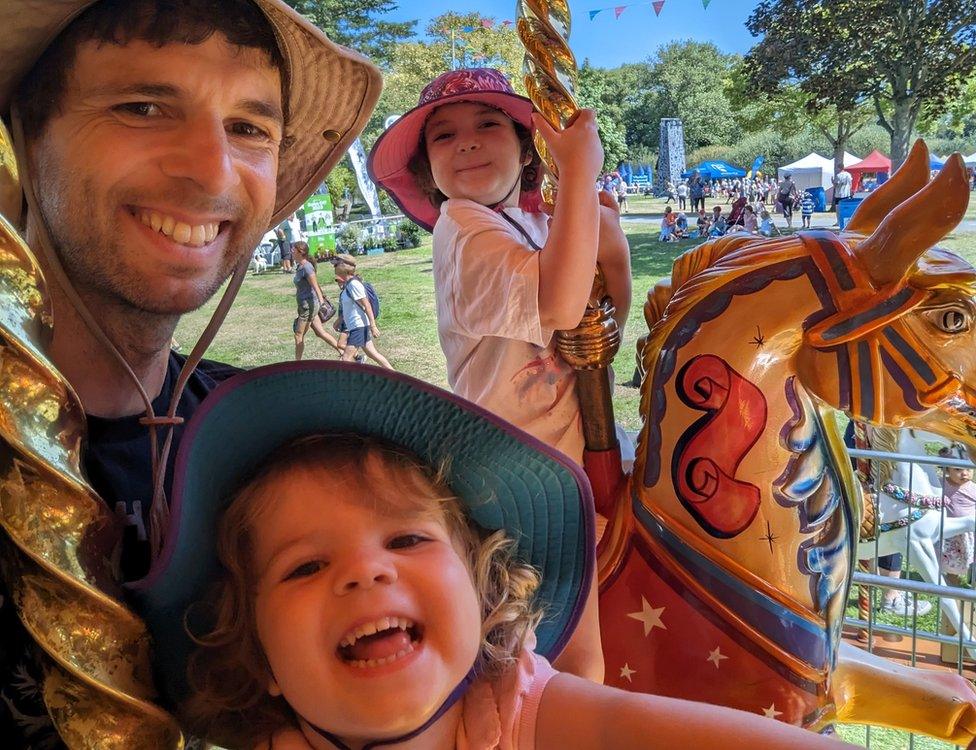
x: 567, y: 261
x: 578, y: 715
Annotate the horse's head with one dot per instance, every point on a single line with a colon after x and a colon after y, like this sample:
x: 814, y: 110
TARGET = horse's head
x: 899, y: 346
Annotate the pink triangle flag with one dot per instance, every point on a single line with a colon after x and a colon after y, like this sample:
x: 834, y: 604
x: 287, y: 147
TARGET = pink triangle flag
x: 487, y: 23
x: 658, y: 4
x: 618, y: 10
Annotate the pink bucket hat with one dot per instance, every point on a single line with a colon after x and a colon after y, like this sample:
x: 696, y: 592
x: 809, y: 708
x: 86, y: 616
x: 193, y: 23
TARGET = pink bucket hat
x: 389, y: 159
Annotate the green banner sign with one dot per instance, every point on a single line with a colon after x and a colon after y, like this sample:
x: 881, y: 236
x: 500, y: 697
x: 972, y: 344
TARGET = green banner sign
x: 319, y: 225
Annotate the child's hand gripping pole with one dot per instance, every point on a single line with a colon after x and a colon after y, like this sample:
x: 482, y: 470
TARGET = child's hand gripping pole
x: 550, y: 76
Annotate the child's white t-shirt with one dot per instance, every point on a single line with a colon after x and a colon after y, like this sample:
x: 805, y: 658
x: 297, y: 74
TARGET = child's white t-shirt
x: 498, y: 353
x: 352, y: 314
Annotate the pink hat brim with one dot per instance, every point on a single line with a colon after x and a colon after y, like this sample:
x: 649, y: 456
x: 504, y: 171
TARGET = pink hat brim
x: 390, y: 156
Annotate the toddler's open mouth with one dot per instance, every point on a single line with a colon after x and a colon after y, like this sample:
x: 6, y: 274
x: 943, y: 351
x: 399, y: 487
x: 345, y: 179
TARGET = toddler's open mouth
x: 380, y: 642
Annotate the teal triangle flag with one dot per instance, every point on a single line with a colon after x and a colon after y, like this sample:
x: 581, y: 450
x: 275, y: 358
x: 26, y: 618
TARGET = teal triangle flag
x: 705, y: 4
x: 593, y: 13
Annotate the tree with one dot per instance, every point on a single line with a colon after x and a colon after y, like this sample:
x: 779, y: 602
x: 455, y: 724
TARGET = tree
x: 454, y: 41
x: 786, y: 106
x: 354, y: 23
x: 907, y: 58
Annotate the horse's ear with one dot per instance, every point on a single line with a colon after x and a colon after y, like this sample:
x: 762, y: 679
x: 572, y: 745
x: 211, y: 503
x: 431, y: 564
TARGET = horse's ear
x: 904, y: 183
x: 917, y: 224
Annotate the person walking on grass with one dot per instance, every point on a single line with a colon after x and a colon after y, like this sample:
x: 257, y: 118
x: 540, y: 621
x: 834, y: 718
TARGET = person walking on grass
x: 311, y: 300
x: 358, y: 316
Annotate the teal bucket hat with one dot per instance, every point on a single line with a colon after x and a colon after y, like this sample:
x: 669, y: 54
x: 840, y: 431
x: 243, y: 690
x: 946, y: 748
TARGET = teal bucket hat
x: 503, y: 477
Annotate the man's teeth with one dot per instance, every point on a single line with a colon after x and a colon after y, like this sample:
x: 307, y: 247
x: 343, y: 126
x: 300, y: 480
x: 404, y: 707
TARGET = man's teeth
x: 185, y: 234
x: 367, y: 663
x: 377, y: 626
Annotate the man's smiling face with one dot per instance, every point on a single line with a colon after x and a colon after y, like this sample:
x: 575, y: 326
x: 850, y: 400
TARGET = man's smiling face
x: 158, y: 174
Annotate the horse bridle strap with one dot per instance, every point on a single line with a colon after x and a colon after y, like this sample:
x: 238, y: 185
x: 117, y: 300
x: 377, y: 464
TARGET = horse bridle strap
x: 866, y: 327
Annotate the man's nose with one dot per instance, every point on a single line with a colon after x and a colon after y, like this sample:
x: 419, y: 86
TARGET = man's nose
x: 363, y: 571
x: 203, y: 154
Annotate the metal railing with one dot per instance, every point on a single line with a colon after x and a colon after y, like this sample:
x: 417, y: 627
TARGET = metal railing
x: 872, y: 587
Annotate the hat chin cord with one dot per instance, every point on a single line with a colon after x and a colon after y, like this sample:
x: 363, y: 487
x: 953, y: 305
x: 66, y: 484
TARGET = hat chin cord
x: 159, y: 509
x: 456, y: 694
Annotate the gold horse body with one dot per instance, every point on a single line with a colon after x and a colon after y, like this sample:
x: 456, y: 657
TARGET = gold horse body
x: 726, y: 565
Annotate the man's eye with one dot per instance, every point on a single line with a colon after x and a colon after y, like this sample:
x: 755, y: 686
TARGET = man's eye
x: 248, y: 130
x: 305, y: 570
x: 441, y: 137
x: 140, y: 109
x: 489, y: 123
x: 405, y: 541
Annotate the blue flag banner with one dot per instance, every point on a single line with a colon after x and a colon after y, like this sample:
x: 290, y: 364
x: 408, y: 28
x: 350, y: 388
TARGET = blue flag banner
x: 594, y: 13
x: 757, y: 163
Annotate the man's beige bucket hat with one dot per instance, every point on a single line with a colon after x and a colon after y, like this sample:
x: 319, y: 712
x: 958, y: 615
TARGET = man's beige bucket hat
x: 331, y: 90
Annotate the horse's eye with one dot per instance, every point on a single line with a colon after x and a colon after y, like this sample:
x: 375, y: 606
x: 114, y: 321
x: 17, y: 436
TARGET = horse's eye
x: 953, y: 320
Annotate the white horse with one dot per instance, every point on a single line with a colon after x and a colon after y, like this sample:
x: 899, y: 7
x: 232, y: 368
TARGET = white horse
x: 924, y: 530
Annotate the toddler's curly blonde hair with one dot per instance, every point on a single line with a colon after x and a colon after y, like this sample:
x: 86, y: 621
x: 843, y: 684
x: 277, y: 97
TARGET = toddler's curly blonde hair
x: 229, y: 675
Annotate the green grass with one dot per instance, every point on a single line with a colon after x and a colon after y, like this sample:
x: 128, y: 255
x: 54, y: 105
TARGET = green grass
x: 889, y: 739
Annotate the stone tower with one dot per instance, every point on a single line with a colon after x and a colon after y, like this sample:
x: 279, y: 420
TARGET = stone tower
x: 671, y: 161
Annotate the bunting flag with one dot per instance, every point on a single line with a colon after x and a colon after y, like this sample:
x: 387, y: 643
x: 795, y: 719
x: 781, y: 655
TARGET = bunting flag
x: 658, y: 6
x: 487, y: 23
x: 506, y: 23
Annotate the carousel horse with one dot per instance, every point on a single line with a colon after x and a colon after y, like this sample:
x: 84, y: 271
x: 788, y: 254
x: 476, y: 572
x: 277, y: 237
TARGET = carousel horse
x: 727, y: 559
x: 908, y: 516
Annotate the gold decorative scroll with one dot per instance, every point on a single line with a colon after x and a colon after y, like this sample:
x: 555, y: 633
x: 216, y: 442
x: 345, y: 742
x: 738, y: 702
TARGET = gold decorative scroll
x: 59, y: 534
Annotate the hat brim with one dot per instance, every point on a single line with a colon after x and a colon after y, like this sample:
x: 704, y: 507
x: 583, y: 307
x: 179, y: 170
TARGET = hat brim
x: 503, y: 477
x: 389, y: 159
x: 331, y: 90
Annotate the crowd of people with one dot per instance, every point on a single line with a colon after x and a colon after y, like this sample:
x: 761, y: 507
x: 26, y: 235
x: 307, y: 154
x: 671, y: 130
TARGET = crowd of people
x: 751, y: 203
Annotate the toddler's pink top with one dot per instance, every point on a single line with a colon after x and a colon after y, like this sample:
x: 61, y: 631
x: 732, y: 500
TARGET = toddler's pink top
x: 961, y: 499
x: 502, y: 713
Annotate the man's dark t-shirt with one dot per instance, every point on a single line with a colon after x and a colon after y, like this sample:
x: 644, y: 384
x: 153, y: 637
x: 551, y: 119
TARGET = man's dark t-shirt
x: 118, y: 465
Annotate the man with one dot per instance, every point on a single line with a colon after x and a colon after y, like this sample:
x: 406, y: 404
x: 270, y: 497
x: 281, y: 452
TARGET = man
x: 358, y: 316
x: 289, y: 232
x: 158, y: 141
x: 842, y: 187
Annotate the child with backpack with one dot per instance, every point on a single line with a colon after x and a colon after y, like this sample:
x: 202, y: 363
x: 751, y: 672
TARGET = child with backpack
x: 359, y: 310
x: 398, y: 575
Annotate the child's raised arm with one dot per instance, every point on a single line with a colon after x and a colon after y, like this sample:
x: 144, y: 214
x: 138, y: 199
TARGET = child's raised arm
x: 567, y: 261
x: 576, y: 714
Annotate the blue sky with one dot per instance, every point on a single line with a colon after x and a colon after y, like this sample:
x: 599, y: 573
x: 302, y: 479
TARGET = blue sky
x: 607, y: 41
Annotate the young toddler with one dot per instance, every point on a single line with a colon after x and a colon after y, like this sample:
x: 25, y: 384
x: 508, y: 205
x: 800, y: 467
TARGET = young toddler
x: 389, y: 581
x: 806, y: 208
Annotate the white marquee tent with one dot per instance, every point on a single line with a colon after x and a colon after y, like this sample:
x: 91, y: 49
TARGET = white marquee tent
x: 970, y: 160
x: 813, y: 170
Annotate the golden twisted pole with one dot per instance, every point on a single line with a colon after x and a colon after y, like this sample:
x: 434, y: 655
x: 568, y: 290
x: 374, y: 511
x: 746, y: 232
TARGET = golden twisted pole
x: 56, y: 558
x: 550, y: 79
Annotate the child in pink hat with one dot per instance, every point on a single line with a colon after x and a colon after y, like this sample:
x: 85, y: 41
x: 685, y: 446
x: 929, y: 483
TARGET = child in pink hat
x: 507, y: 275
